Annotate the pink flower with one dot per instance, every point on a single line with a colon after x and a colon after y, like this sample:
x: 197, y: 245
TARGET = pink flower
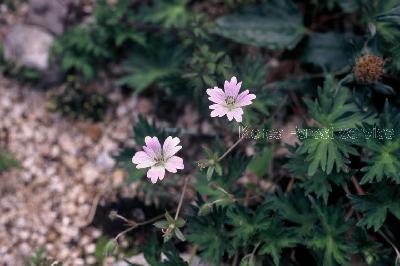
x: 228, y: 101
x: 157, y: 158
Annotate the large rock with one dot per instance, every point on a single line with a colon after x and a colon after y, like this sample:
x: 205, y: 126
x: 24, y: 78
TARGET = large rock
x: 48, y: 14
x: 28, y: 46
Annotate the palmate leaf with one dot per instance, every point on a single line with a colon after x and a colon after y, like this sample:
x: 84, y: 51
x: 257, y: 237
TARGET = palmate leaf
x: 168, y: 13
x: 153, y: 63
x: 335, y: 111
x: 384, y: 142
x: 328, y: 238
x: 246, y: 224
x: 295, y: 208
x: 276, y: 24
x: 375, y: 206
x: 209, y: 234
x: 275, y: 238
x: 320, y: 184
x: 325, y: 154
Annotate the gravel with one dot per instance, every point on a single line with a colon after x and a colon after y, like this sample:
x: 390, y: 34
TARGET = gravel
x: 64, y: 165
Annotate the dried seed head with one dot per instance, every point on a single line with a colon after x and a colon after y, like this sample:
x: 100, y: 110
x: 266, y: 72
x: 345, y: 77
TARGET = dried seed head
x: 369, y: 68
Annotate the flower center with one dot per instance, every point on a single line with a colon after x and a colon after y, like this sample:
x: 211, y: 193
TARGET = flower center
x: 230, y: 102
x: 159, y: 160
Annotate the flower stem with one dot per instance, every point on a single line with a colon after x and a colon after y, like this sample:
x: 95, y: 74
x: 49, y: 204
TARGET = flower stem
x: 231, y: 148
x: 181, y: 199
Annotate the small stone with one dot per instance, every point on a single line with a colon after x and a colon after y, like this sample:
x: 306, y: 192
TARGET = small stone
x: 94, y: 132
x: 71, y: 162
x: 91, y: 260
x: 90, y: 174
x: 90, y: 249
x: 67, y: 144
x: 118, y: 177
x: 105, y: 161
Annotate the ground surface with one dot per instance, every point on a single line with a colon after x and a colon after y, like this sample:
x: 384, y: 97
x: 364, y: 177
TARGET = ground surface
x: 65, y: 168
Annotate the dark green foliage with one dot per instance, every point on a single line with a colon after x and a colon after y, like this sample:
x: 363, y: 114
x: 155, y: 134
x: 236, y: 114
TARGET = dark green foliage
x: 383, y: 141
x: 375, y: 206
x: 152, y: 253
x: 247, y: 225
x: 282, y: 51
x: 154, y: 63
x: 205, y: 68
x: 330, y: 51
x: 208, y: 232
x: 144, y: 127
x: 84, y: 49
x: 168, y: 14
x: 75, y: 102
x: 274, y: 24
x: 334, y: 110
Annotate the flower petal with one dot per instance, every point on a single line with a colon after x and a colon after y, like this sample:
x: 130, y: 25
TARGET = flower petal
x: 229, y: 115
x: 155, y: 173
x: 244, y: 98
x: 170, y: 147
x: 217, y: 95
x: 218, y: 110
x: 237, y: 114
x: 153, y: 146
x: 143, y: 160
x: 232, y: 87
x: 174, y: 163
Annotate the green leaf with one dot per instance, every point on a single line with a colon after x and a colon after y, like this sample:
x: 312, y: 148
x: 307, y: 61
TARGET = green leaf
x: 260, y: 163
x: 179, y: 234
x: 180, y: 222
x: 163, y: 224
x: 210, y: 172
x: 276, y: 238
x: 150, y: 64
x: 295, y: 208
x: 168, y: 13
x: 209, y: 234
x: 169, y: 218
x: 375, y: 205
x: 383, y: 140
x: 246, y: 224
x: 276, y: 24
x: 335, y: 108
x: 329, y: 237
x: 330, y: 51
x: 331, y: 145
x: 325, y: 154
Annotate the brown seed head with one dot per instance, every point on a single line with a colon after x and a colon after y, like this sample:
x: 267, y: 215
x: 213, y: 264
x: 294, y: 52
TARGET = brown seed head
x: 369, y: 68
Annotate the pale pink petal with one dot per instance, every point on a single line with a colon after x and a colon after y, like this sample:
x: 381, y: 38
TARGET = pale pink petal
x: 229, y: 115
x: 153, y: 146
x: 218, y: 110
x: 174, y: 163
x: 244, y: 98
x: 143, y: 160
x: 170, y: 147
x: 156, y: 172
x: 232, y: 87
x: 237, y: 114
x: 216, y: 95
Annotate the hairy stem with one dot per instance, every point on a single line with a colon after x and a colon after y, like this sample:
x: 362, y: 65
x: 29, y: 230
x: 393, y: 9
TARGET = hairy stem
x: 181, y: 199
